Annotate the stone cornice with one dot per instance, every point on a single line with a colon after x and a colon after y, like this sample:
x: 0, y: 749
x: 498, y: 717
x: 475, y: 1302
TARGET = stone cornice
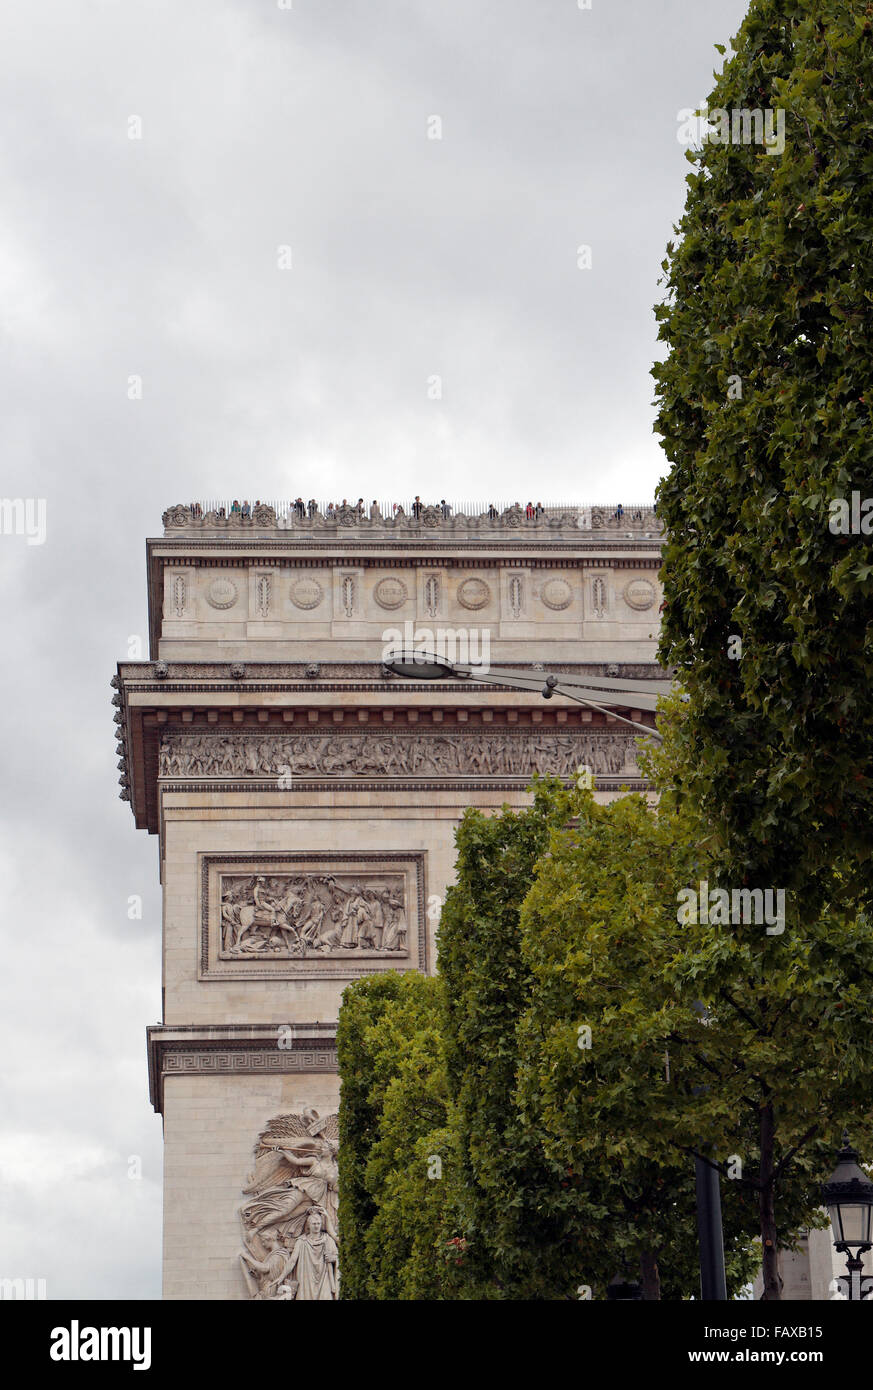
x: 337, y: 675
x: 147, y: 706
x: 232, y: 1049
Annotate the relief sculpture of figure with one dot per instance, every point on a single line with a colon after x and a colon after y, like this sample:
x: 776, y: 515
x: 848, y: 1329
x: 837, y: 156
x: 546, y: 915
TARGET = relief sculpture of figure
x: 394, y: 936
x: 289, y: 1222
x: 481, y: 755
x: 355, y: 918
x: 377, y: 902
x: 273, y: 1268
x: 314, y: 1261
x: 294, y: 1171
x: 309, y: 926
x: 292, y: 915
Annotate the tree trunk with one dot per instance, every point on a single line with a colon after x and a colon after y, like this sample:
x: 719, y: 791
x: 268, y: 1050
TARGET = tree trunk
x: 651, y: 1277
x: 769, y: 1265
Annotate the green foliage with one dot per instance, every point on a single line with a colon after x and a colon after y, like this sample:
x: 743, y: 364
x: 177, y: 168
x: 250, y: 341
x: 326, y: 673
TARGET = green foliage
x: 600, y: 934
x: 565, y: 1165
x: 393, y: 1126
x: 771, y: 282
x: 515, y: 1207
x: 363, y: 1003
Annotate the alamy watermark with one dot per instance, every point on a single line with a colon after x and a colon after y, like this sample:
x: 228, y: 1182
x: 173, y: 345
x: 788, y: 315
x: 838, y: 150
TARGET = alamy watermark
x: 23, y: 516
x: 27, y: 1289
x: 466, y: 645
x: 850, y: 516
x: 719, y: 906
x: 739, y: 126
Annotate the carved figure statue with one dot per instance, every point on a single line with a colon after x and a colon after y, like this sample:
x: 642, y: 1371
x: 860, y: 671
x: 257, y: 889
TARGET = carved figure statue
x: 274, y: 1267
x: 289, y: 1223
x: 314, y: 1260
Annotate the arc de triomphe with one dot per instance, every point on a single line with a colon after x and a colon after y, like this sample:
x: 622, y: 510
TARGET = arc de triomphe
x: 305, y: 800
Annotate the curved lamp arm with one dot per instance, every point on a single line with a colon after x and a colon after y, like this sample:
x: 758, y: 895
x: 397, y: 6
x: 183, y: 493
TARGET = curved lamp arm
x: 583, y: 690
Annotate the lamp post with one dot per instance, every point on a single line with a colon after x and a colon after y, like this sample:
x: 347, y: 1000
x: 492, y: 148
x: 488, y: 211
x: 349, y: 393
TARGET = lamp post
x: 591, y: 691
x: 848, y: 1196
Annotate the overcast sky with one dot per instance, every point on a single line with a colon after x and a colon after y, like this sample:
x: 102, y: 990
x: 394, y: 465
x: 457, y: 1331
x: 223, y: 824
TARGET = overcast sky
x: 158, y: 257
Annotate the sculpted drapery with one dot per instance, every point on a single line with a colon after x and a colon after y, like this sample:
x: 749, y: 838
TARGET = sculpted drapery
x: 289, y: 1220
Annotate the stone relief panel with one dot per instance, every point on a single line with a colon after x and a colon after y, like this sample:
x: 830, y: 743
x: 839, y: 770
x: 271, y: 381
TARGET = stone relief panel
x: 639, y: 594
x: 292, y: 916
x: 264, y: 594
x: 349, y: 594
x: 289, y: 1212
x: 474, y: 594
x: 306, y: 592
x: 321, y: 915
x: 598, y: 596
x: 391, y: 592
x: 488, y: 754
x: 432, y: 595
x: 221, y: 592
x: 515, y: 591
x: 180, y: 594
x: 556, y: 594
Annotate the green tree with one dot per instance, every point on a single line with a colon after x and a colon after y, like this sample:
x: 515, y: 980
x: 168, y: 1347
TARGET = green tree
x: 395, y: 1140
x: 516, y: 1209
x: 364, y: 1002
x: 602, y: 1076
x: 765, y: 415
x: 769, y: 1050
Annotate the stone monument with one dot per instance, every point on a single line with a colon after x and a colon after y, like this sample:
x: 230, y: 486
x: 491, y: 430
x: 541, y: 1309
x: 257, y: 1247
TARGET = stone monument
x: 305, y: 801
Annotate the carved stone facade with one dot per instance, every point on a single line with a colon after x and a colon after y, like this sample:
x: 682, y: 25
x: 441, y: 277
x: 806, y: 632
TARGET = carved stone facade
x: 502, y: 754
x: 292, y: 916
x: 289, y: 1216
x: 306, y: 799
x: 311, y: 916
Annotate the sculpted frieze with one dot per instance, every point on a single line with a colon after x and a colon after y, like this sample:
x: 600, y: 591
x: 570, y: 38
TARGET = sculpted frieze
x: 344, y: 916
x: 486, y: 754
x: 318, y: 915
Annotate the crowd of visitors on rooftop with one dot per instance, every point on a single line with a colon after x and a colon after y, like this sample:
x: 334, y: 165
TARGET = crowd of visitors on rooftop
x: 301, y: 509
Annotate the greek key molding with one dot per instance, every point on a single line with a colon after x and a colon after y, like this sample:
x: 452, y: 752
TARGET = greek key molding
x: 237, y: 1050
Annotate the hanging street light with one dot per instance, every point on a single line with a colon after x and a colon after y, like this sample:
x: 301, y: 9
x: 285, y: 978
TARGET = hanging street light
x: 603, y: 694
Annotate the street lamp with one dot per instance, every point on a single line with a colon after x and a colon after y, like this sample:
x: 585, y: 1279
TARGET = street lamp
x: 591, y: 691
x: 848, y: 1196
